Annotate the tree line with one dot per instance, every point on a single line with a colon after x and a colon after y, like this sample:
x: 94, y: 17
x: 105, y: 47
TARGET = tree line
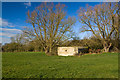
x: 51, y: 28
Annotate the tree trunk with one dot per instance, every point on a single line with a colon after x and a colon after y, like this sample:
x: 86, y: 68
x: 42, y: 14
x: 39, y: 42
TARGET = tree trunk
x: 106, y: 49
x: 50, y: 50
x: 46, y: 50
x: 107, y: 46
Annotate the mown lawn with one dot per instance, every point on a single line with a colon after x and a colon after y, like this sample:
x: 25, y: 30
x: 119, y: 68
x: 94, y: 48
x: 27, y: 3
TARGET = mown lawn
x: 38, y: 65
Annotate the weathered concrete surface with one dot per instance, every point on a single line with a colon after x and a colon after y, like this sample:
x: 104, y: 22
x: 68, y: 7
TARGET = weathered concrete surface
x: 67, y: 51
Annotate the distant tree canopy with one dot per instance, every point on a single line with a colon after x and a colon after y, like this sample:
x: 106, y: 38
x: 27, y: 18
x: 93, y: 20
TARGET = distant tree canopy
x: 33, y: 46
x: 12, y: 47
x: 92, y: 43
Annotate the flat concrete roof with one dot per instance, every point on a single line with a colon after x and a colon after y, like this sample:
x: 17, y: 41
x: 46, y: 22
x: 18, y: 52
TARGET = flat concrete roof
x: 74, y: 46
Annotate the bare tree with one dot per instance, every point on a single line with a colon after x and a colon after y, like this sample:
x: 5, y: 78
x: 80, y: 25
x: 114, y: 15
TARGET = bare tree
x: 49, y: 25
x: 101, y: 20
x: 19, y: 38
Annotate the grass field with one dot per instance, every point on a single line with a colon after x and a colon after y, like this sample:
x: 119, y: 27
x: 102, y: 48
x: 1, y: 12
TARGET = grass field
x: 38, y: 65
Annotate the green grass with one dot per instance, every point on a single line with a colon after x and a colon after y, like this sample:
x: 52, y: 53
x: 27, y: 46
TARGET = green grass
x: 38, y: 65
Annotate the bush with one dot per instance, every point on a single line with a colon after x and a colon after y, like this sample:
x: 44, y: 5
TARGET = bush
x: 12, y: 47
